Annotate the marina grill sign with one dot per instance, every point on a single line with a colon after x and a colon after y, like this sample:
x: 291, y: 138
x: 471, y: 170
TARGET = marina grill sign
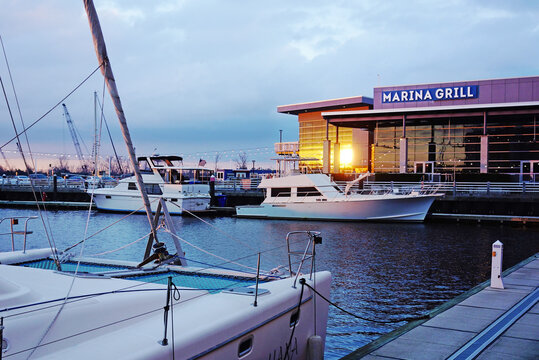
x: 433, y: 94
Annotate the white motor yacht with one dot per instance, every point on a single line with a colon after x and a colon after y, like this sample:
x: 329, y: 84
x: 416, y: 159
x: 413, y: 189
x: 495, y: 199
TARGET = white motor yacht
x: 317, y: 197
x: 184, y: 188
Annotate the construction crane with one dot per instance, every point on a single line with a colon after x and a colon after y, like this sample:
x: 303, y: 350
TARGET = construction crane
x: 74, y: 136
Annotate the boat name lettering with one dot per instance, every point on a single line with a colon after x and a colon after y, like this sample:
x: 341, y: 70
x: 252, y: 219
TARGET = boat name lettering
x: 431, y: 94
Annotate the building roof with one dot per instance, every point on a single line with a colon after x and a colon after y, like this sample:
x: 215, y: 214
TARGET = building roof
x: 347, y: 118
x: 342, y: 103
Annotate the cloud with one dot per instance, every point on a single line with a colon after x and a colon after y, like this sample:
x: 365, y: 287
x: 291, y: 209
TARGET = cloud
x: 209, y: 74
x: 129, y: 16
x: 170, y: 6
x: 323, y: 30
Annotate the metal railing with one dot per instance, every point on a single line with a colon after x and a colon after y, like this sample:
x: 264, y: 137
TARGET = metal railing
x: 14, y: 183
x: 14, y: 220
x: 238, y: 184
x: 457, y: 188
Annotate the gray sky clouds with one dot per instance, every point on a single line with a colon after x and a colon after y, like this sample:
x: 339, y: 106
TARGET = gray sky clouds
x: 206, y: 75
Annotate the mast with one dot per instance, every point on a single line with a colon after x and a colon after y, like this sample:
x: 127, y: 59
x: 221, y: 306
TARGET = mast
x: 106, y: 70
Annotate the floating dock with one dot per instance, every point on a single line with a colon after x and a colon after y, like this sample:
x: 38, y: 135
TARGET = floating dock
x: 484, y: 323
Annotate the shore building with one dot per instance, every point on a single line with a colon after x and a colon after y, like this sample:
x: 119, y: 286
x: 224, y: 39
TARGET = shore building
x: 484, y: 129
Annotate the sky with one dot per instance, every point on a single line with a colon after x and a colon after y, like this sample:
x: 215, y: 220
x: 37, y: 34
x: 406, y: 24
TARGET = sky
x: 204, y: 77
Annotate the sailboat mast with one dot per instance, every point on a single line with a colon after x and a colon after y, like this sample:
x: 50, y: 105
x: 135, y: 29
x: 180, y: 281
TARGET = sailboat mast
x: 106, y: 70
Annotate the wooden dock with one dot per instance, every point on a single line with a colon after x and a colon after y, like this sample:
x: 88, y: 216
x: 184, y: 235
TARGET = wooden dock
x: 484, y: 323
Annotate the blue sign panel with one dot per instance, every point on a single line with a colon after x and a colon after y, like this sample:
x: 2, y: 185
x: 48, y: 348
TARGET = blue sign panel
x: 433, y: 94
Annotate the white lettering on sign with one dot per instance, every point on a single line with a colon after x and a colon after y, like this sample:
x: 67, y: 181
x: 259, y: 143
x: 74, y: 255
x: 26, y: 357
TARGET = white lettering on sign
x: 442, y: 93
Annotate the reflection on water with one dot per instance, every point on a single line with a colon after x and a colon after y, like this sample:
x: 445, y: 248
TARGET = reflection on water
x: 380, y: 271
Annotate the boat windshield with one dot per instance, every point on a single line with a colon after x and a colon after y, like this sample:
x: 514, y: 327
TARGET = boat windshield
x: 186, y: 176
x: 144, y: 166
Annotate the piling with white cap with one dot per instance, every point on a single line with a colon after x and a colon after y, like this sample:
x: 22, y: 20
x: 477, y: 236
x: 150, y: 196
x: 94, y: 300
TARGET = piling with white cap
x: 496, y: 280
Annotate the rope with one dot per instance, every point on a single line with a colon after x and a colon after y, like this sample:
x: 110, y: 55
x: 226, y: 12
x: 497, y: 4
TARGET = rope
x: 366, y: 319
x: 105, y: 228
x: 227, y: 261
x: 122, y: 247
x: 213, y: 266
x: 214, y: 227
x: 287, y: 353
x: 91, y: 295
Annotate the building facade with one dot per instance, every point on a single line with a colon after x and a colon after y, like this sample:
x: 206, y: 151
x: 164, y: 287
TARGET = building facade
x: 314, y: 130
x: 443, y: 130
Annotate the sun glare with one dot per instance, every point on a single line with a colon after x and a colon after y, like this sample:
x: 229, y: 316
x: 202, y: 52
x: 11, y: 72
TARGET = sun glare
x: 346, y: 156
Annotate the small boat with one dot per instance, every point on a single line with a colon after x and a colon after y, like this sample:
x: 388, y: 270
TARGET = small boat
x: 185, y: 188
x: 317, y: 197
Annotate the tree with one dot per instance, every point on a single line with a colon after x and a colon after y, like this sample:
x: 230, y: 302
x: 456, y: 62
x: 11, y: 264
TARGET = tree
x: 241, y: 160
x: 217, y: 158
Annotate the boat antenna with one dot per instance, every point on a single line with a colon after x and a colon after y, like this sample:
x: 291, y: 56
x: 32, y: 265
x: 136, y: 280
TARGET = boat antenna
x: 106, y: 70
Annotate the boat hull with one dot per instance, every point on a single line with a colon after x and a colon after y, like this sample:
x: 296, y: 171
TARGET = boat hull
x: 124, y: 325
x: 394, y: 208
x: 130, y: 203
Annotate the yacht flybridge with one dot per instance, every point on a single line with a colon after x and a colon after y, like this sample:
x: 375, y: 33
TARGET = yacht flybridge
x: 317, y: 197
x: 185, y: 188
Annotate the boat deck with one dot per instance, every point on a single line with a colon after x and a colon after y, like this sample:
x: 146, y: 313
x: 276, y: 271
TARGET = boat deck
x: 490, y: 324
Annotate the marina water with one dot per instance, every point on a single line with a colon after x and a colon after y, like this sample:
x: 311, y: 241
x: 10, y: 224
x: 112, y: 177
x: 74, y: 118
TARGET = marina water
x: 381, y: 272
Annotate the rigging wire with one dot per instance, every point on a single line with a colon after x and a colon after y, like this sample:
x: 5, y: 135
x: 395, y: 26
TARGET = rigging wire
x: 215, y: 228
x: 227, y: 261
x: 121, y: 247
x: 51, y: 243
x: 107, y: 227
x: 74, y: 275
x: 110, y: 137
x: 52, y: 108
x: 50, y: 238
x: 106, y: 324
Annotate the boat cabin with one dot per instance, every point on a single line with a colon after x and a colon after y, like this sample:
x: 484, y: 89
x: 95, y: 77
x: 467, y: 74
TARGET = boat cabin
x: 172, y: 171
x: 305, y: 187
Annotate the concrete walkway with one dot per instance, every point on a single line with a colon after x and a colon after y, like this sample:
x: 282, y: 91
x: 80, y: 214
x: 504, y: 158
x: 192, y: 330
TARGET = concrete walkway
x: 490, y: 324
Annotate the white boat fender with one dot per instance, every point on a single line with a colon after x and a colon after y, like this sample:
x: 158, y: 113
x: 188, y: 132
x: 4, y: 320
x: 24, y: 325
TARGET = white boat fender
x: 315, y: 348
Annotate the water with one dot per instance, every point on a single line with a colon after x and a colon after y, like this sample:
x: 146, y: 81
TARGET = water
x: 380, y: 271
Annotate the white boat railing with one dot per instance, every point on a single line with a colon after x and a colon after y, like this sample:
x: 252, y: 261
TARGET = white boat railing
x: 457, y: 188
x: 15, y: 182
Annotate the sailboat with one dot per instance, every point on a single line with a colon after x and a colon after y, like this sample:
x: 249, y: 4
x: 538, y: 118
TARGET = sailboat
x: 56, y: 306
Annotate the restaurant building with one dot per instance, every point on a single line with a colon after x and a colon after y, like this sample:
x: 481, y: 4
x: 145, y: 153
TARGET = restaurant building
x: 481, y: 128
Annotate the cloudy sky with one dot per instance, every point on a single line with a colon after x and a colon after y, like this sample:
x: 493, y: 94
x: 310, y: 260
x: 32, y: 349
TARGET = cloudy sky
x: 201, y: 76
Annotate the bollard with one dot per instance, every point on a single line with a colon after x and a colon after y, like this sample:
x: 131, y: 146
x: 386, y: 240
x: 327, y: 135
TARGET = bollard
x: 496, y: 280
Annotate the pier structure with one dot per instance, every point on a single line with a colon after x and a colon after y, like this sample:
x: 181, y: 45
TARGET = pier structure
x: 485, y: 323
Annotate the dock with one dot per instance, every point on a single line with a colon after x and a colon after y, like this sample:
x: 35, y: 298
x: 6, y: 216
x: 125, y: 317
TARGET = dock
x: 482, y: 217
x: 72, y: 205
x: 484, y: 323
